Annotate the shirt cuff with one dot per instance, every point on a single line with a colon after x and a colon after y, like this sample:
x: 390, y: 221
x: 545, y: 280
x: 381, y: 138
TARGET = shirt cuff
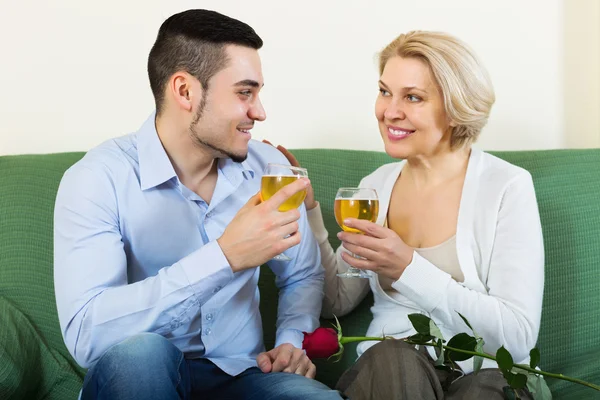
x: 293, y: 336
x: 423, y: 283
x: 207, y: 269
x: 315, y: 219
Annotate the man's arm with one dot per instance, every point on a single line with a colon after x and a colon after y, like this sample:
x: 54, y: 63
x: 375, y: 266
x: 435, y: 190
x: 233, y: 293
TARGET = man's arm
x: 300, y: 284
x: 97, y: 307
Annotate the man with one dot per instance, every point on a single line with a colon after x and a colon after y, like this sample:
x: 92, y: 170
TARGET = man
x: 158, y: 236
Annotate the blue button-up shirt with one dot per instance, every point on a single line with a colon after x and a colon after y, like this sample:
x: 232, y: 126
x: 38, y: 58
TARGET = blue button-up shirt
x: 136, y: 251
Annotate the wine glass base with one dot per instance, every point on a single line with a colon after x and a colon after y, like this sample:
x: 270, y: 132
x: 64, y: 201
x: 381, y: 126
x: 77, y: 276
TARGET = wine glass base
x: 281, y: 257
x: 352, y: 274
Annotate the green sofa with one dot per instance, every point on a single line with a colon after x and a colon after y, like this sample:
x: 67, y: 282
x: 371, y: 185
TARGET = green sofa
x: 34, y: 363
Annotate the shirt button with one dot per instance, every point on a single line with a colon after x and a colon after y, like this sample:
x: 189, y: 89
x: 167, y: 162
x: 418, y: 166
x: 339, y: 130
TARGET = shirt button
x: 207, y: 331
x: 209, y: 317
x: 210, y: 214
x: 215, y: 290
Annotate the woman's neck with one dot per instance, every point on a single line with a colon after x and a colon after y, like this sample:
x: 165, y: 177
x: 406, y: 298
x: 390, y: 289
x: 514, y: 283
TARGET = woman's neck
x: 432, y: 170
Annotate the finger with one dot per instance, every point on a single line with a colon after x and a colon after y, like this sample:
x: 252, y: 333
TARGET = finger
x: 282, y: 360
x: 292, y: 240
x: 287, y: 191
x: 253, y: 201
x: 264, y: 362
x: 295, y: 361
x: 361, y: 251
x: 286, y: 217
x: 267, y: 142
x: 358, y: 263
x: 312, y: 371
x: 368, y: 227
x: 289, y: 156
x: 360, y: 240
x: 303, y: 365
x: 288, y: 229
x: 288, y: 242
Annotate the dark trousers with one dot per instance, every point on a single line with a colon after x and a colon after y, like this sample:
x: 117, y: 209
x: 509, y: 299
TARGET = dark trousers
x: 394, y: 370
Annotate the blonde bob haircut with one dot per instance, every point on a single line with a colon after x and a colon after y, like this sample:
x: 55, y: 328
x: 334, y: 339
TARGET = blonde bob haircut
x: 464, y: 82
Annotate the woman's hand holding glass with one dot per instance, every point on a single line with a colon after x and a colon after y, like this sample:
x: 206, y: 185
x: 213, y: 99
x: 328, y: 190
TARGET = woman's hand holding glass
x: 380, y: 249
x: 360, y: 203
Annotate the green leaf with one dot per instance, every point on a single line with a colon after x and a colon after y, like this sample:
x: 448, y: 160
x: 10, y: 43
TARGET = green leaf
x: 338, y: 327
x: 504, y: 359
x: 517, y: 381
x: 477, y: 360
x: 466, y: 320
x: 434, y: 330
x: 419, y: 338
x: 461, y: 341
x: 421, y: 323
x: 440, y: 352
x: 534, y: 355
x: 538, y: 387
x: 337, y: 356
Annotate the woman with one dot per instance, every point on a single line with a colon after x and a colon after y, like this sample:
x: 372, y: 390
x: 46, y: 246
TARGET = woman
x: 458, y: 231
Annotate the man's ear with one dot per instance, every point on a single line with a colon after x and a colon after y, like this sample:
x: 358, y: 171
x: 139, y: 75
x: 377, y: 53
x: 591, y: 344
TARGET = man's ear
x: 182, y: 90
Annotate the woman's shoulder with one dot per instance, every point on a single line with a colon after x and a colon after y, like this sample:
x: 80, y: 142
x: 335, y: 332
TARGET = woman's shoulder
x: 493, y: 168
x: 382, y: 174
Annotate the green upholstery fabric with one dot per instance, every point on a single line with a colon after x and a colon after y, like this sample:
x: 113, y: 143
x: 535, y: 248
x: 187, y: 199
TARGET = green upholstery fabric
x: 29, y: 369
x: 567, y: 185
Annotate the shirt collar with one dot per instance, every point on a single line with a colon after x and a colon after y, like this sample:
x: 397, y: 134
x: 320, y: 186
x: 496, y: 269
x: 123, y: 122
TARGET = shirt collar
x: 156, y: 167
x: 233, y: 171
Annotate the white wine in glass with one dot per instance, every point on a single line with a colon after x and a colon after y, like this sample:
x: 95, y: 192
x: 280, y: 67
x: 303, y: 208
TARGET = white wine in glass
x: 270, y: 184
x: 274, y: 178
x: 359, y: 203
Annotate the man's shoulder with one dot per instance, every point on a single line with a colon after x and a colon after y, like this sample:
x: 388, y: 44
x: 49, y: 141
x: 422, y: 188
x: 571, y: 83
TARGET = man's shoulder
x: 111, y: 155
x: 260, y: 154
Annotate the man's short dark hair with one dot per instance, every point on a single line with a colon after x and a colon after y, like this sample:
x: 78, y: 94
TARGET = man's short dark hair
x: 194, y: 41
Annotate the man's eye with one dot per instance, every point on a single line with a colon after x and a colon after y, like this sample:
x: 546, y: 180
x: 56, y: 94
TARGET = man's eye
x: 246, y: 93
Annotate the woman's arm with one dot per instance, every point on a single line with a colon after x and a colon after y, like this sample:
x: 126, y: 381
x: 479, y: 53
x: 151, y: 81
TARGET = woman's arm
x: 509, y: 314
x: 342, y: 295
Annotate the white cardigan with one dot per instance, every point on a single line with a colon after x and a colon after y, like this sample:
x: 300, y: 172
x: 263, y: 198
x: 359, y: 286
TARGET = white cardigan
x: 500, y: 250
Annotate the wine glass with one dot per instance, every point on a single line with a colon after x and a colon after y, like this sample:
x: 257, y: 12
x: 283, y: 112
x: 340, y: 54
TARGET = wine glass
x: 274, y: 178
x: 360, y: 203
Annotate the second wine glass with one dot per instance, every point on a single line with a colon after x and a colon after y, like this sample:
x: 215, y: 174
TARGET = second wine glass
x: 359, y: 203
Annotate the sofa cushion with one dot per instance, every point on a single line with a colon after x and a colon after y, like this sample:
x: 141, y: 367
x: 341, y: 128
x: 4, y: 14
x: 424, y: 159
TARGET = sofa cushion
x: 29, y: 369
x: 19, y: 354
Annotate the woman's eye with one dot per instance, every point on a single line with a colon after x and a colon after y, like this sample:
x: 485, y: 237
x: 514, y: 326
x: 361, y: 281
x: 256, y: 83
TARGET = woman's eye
x: 412, y: 98
x: 383, y: 92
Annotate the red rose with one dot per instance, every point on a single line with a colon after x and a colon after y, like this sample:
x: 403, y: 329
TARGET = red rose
x: 322, y: 343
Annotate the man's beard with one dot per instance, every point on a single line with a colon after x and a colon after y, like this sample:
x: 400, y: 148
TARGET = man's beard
x: 234, y: 157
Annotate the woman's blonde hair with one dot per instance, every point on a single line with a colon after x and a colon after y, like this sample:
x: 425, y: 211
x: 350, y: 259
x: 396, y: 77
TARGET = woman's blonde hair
x: 464, y: 82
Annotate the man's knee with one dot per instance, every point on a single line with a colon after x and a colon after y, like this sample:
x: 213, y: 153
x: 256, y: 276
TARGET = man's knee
x: 142, y: 351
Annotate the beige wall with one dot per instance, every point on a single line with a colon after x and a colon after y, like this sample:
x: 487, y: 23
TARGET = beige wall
x: 73, y: 73
x: 582, y: 73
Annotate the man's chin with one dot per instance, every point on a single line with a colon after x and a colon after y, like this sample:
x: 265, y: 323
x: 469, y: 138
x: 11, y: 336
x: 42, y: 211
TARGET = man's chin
x: 238, y: 158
